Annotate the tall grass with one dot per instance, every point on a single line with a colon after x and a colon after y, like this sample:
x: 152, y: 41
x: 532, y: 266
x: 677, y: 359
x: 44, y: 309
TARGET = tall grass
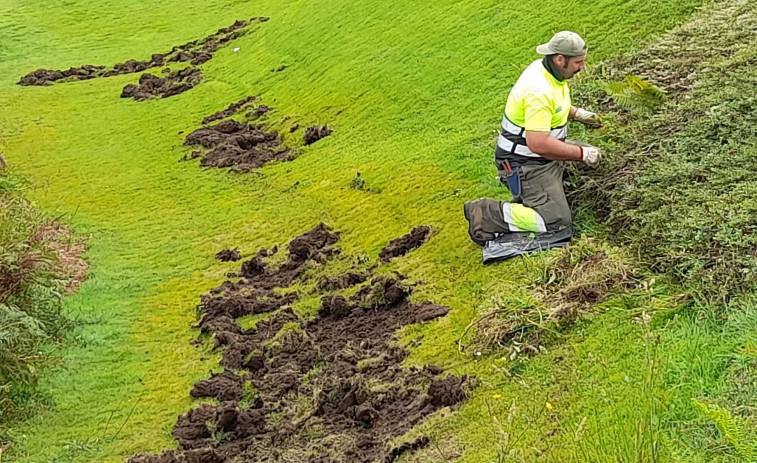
x: 30, y: 299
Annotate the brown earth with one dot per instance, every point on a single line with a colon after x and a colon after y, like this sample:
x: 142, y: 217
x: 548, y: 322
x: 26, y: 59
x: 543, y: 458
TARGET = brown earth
x: 230, y: 110
x: 239, y: 146
x: 316, y: 132
x: 229, y: 255
x: 152, y: 86
x: 404, y: 244
x: 196, y: 52
x: 327, y: 390
x: 349, y: 279
x: 397, y: 452
x: 259, y: 111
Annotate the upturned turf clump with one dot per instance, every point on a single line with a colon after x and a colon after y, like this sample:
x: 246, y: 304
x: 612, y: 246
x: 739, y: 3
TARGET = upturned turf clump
x: 574, y: 281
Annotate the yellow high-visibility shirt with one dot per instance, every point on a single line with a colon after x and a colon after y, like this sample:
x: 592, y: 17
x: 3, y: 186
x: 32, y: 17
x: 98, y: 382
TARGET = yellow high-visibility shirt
x: 538, y: 102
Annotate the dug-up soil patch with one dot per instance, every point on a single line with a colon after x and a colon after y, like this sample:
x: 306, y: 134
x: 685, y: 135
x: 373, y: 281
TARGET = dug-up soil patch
x: 243, y: 146
x: 195, y: 52
x: 406, y: 243
x: 316, y: 132
x: 229, y: 255
x: 230, y: 110
x: 152, y: 86
x: 347, y: 280
x: 327, y: 390
x: 239, y: 145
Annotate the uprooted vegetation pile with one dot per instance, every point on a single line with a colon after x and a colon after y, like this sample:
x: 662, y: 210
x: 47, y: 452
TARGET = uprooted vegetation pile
x: 679, y: 184
x: 195, y: 52
x: 152, y: 86
x: 576, y: 279
x: 331, y: 389
x: 406, y: 243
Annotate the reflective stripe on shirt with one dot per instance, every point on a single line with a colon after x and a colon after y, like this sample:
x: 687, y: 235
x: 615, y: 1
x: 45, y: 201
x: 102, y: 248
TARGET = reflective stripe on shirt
x: 512, y: 138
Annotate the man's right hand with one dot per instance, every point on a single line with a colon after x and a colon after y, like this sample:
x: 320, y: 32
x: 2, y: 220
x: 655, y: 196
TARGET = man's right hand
x: 591, y: 156
x: 588, y: 118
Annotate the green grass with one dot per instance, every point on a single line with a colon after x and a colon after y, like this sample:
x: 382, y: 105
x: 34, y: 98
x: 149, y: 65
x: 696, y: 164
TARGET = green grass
x: 414, y: 91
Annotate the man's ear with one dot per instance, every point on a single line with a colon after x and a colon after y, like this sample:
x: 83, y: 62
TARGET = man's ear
x: 560, y: 60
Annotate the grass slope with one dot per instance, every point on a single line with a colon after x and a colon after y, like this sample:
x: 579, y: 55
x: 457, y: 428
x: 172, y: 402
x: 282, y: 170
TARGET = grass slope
x: 414, y: 91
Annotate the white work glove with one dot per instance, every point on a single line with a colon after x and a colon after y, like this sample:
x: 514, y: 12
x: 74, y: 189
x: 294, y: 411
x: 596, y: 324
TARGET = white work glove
x: 591, y: 155
x: 588, y: 118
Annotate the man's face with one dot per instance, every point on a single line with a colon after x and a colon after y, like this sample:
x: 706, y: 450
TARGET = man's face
x: 570, y: 66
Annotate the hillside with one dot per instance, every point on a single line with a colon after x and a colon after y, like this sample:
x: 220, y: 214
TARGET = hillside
x: 655, y: 360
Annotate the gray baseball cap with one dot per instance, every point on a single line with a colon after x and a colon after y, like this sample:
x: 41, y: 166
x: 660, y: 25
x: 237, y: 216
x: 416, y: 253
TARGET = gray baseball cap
x: 565, y: 43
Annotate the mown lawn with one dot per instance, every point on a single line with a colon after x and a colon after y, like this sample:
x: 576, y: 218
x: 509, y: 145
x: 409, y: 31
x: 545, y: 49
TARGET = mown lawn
x: 414, y: 91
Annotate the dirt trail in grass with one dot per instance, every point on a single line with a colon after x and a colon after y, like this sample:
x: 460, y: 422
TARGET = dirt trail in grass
x: 195, y: 52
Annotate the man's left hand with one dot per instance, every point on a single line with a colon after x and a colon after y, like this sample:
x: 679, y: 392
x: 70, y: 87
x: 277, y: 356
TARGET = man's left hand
x: 588, y: 118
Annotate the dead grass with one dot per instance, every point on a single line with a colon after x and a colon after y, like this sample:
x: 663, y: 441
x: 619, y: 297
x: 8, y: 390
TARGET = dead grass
x: 70, y: 250
x: 573, y: 282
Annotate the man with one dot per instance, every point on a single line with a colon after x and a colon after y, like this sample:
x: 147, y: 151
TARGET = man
x: 532, y: 148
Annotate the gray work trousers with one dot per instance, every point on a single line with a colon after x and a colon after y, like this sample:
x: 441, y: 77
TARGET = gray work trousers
x: 542, y: 190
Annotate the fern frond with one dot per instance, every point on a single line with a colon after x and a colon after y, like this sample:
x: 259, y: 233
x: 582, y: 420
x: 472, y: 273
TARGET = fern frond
x: 635, y: 95
x: 735, y: 431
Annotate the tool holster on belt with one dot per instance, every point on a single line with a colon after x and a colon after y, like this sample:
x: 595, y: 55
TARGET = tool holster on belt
x: 511, y: 177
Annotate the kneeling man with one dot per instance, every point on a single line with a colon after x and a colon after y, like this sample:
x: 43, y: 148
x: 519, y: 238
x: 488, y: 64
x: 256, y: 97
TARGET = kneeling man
x: 532, y: 148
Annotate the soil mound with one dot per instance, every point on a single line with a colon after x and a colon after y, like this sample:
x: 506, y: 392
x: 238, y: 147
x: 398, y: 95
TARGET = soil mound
x: 316, y: 132
x: 404, y: 244
x: 331, y: 389
x: 196, y: 52
x: 222, y: 386
x: 349, y: 279
x: 229, y: 255
x: 45, y: 76
x: 230, y: 110
x: 239, y: 146
x: 151, y: 86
